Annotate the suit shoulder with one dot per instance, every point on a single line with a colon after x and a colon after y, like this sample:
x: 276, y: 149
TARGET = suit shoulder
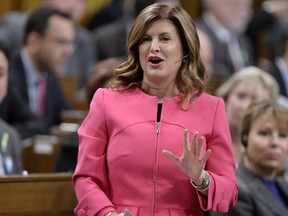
x: 211, y: 99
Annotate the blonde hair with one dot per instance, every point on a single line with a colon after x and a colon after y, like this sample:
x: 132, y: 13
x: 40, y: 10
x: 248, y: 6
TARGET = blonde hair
x: 270, y: 109
x: 249, y: 74
x: 191, y: 75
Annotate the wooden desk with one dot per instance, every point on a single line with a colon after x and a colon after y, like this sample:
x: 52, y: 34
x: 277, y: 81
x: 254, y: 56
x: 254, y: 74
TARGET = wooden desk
x: 37, y: 194
x: 40, y: 154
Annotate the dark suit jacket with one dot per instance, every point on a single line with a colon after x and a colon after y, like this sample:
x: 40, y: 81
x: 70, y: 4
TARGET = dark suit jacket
x: 55, y: 102
x: 110, y: 40
x: 222, y: 66
x: 254, y: 199
x: 275, y: 72
x: 12, y: 151
x: 15, y: 112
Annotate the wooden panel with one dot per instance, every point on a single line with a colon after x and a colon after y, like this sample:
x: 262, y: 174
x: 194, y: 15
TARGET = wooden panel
x: 192, y: 7
x: 7, y: 5
x: 40, y: 154
x: 41, y: 194
x: 70, y: 90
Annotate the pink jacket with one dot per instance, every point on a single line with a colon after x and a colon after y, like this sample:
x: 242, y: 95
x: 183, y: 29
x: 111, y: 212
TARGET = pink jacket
x: 120, y: 160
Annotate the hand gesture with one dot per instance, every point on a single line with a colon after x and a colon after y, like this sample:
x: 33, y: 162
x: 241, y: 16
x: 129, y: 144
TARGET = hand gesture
x: 191, y: 161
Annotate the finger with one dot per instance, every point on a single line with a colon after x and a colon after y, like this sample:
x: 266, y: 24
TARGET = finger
x: 186, y: 140
x: 171, y: 156
x: 194, y: 142
x: 199, y: 147
x: 206, y: 156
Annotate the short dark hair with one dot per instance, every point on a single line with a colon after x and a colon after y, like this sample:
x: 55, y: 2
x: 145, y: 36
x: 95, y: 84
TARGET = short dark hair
x: 39, y: 18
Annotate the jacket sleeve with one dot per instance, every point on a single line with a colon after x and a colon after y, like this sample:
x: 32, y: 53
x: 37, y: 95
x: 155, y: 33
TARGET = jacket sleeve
x: 90, y: 176
x: 221, y: 165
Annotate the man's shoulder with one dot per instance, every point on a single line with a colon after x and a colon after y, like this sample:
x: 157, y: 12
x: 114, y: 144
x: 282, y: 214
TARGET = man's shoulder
x: 14, y: 17
x: 5, y: 127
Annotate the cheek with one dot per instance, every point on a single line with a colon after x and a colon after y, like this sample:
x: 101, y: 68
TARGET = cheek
x: 285, y: 146
x: 253, y: 151
x: 256, y: 144
x: 142, y: 55
x: 232, y: 105
x: 3, y: 88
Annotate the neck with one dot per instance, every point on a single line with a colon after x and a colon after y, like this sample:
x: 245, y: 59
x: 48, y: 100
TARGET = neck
x: 161, y: 92
x: 261, y: 171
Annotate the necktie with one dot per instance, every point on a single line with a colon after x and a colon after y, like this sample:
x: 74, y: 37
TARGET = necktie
x: 41, y: 94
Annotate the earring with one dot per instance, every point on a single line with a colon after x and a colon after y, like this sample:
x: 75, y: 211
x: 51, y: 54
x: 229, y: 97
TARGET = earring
x: 244, y: 140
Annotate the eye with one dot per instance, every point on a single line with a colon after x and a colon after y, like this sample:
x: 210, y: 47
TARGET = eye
x: 282, y: 134
x: 240, y: 96
x: 145, y: 39
x: 263, y: 133
x: 165, y: 38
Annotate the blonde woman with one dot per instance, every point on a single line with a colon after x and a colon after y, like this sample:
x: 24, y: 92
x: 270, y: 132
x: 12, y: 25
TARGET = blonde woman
x: 250, y: 84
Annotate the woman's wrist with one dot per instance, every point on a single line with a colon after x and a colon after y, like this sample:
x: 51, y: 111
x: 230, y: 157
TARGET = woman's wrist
x: 200, y: 180
x: 205, y: 182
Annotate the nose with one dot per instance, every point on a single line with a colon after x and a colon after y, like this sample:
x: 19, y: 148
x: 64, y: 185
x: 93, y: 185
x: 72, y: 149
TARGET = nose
x: 245, y: 104
x: 275, y: 139
x: 155, y: 46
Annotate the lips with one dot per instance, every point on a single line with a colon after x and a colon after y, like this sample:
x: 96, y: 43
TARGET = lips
x: 273, y: 156
x: 155, y: 60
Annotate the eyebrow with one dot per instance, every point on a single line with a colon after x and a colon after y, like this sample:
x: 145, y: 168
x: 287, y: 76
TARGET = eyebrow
x: 164, y: 33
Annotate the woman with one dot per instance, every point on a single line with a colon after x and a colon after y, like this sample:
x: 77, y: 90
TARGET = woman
x: 132, y: 154
x: 250, y: 84
x: 265, y: 137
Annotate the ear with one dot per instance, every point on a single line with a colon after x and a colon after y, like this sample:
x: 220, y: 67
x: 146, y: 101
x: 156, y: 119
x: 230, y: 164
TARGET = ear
x: 244, y: 140
x: 33, y: 38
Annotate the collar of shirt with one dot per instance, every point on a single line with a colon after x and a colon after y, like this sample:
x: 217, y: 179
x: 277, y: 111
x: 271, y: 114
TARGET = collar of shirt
x: 32, y: 74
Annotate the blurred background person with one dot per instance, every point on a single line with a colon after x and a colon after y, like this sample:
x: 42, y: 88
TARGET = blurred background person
x: 13, y: 109
x: 248, y: 85
x: 224, y: 22
x: 207, y: 56
x: 80, y: 63
x: 264, y: 27
x: 107, y: 14
x: 10, y: 143
x: 264, y: 133
x: 10, y: 150
x: 279, y: 62
x: 206, y: 53
x: 48, y: 43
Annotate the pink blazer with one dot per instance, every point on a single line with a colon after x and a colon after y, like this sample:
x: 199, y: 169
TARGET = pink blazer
x: 121, y: 165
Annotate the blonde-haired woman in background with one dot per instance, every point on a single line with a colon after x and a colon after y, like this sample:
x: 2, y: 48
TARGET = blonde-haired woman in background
x: 250, y: 84
x: 264, y: 135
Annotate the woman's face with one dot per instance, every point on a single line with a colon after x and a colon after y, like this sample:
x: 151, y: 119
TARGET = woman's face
x: 240, y: 97
x: 160, y: 53
x: 3, y: 76
x: 267, y: 145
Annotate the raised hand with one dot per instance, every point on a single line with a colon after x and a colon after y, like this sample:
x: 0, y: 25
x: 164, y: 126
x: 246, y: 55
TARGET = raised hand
x: 191, y: 162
